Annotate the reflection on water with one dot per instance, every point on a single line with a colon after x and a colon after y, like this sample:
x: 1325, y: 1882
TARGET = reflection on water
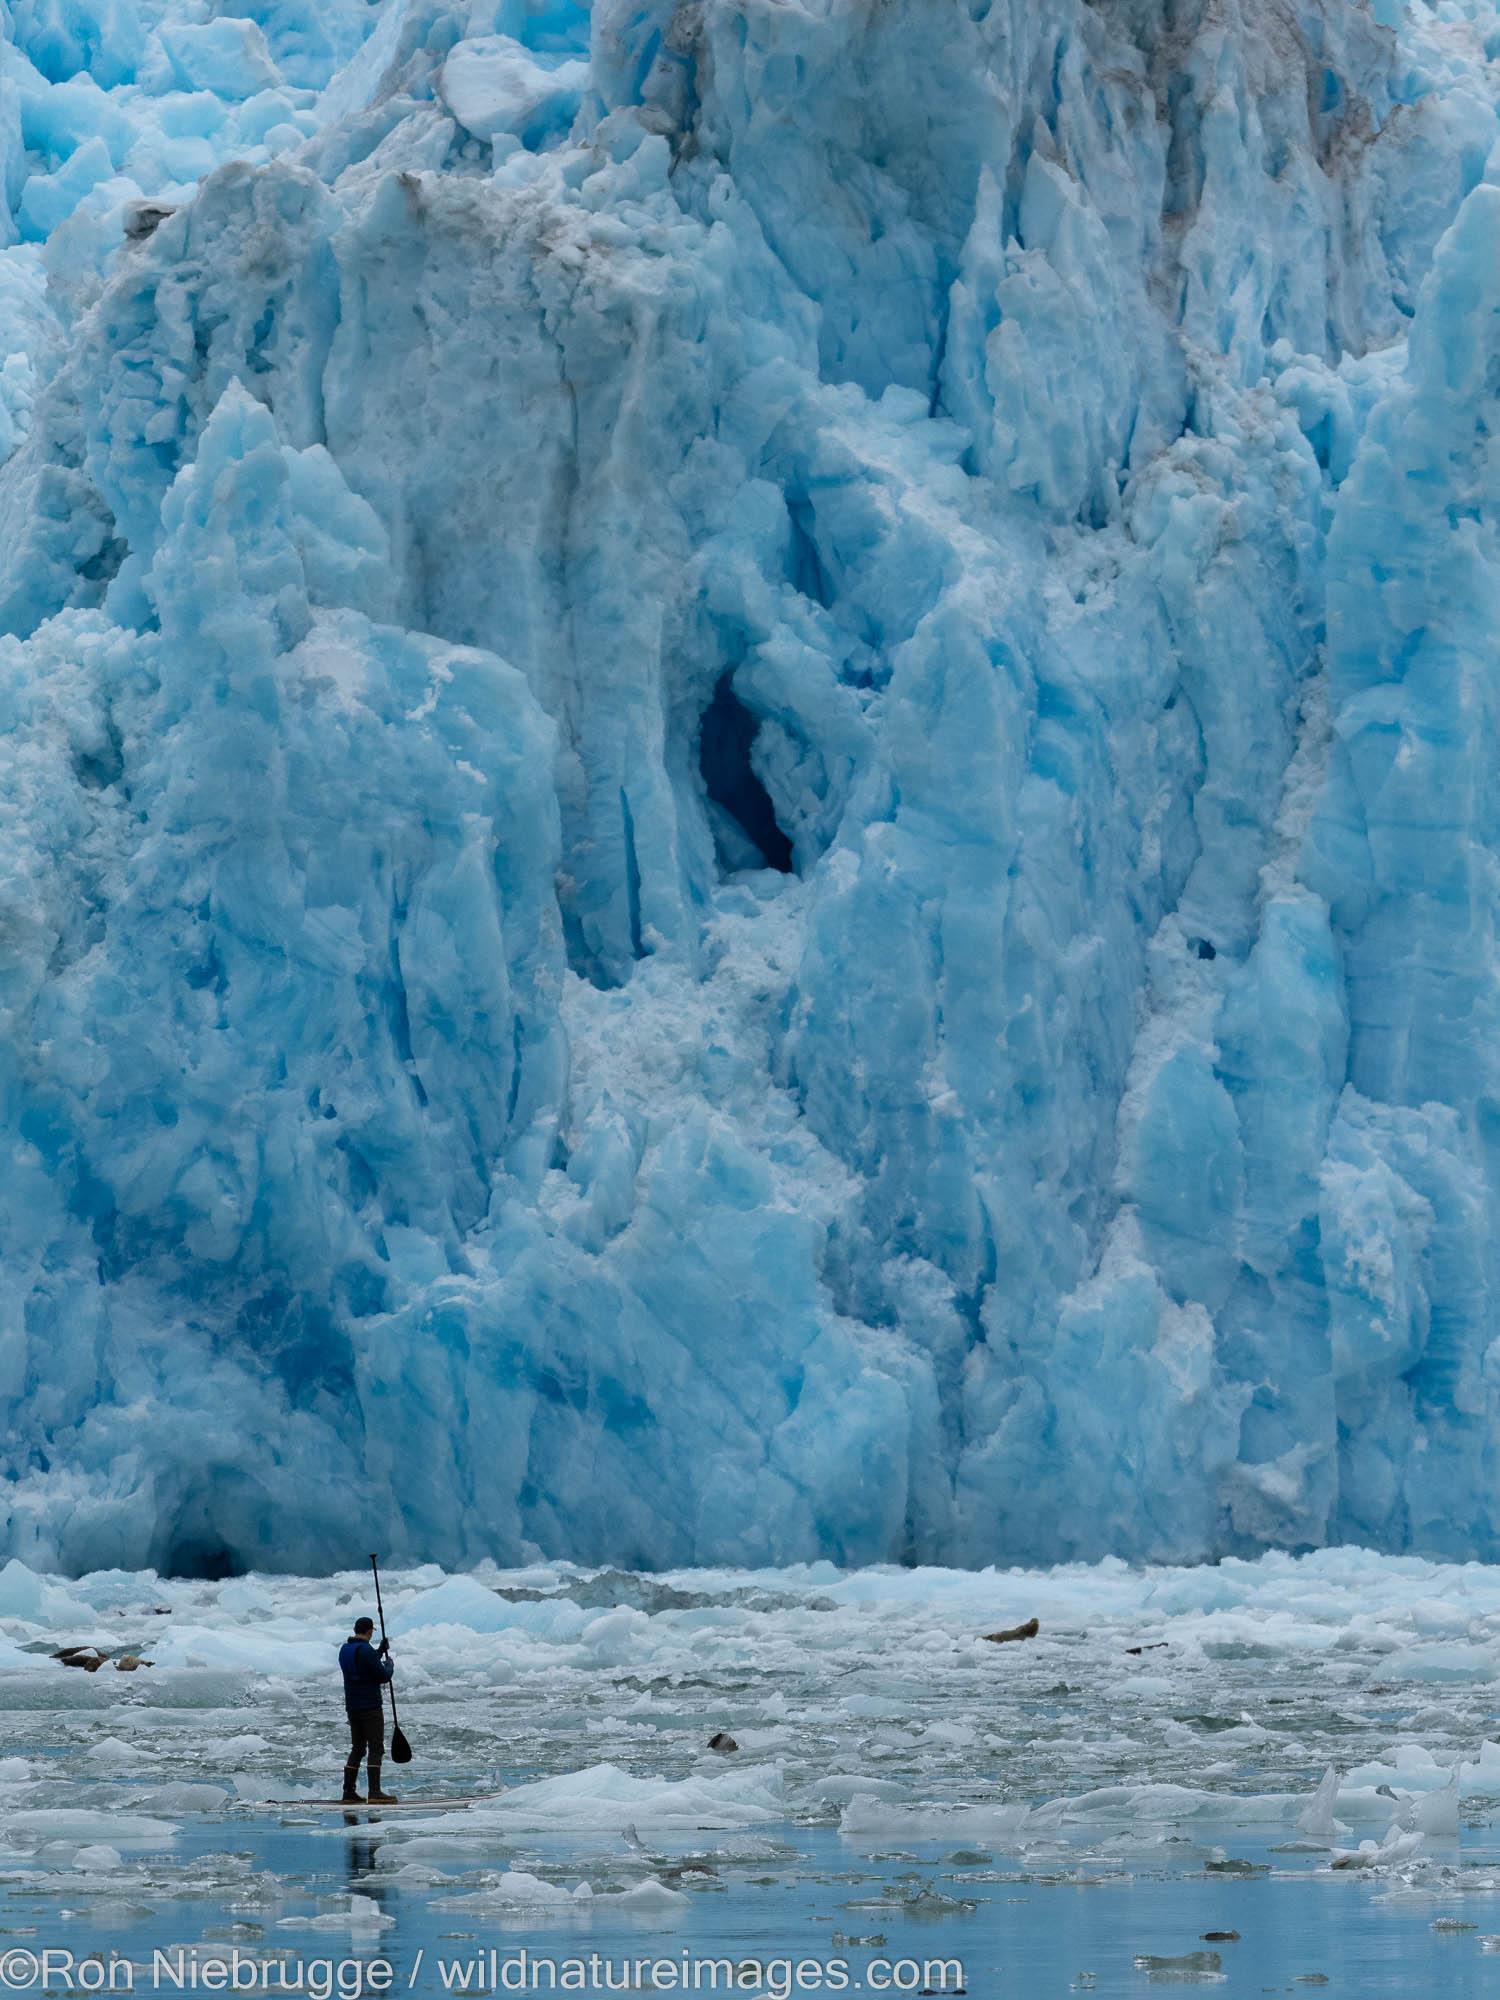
x: 1140, y: 1908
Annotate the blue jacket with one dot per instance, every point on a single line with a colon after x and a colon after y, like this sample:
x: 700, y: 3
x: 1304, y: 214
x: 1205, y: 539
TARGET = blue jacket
x: 365, y: 1675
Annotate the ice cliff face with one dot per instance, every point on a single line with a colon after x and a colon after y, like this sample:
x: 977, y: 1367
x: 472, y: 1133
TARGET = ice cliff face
x: 751, y: 779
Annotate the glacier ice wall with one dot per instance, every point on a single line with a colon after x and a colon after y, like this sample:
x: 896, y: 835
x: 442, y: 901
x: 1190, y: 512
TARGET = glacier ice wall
x: 751, y: 789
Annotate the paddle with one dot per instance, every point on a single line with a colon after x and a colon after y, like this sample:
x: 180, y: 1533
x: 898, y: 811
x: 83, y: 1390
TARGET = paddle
x: 400, y: 1748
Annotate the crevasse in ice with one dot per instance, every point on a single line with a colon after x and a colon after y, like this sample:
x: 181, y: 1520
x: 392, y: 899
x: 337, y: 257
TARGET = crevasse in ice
x: 750, y: 796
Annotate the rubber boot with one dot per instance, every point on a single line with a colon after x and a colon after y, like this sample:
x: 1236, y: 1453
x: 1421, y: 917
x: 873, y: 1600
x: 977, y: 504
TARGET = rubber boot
x: 351, y: 1786
x: 377, y: 1796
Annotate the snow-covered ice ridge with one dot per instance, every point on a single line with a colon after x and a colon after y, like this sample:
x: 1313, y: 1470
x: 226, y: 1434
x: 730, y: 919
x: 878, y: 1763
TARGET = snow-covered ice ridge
x: 749, y: 800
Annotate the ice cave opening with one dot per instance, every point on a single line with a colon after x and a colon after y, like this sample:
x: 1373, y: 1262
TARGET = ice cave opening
x: 727, y: 736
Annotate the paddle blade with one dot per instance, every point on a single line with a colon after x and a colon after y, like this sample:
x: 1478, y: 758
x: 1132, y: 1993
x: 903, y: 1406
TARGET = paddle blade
x: 400, y: 1748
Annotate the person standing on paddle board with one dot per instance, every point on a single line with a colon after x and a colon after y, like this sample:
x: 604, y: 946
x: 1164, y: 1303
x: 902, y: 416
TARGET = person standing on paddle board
x: 366, y: 1669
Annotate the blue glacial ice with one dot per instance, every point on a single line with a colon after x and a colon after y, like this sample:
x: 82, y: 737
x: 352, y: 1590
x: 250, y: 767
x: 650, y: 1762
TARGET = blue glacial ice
x: 749, y: 801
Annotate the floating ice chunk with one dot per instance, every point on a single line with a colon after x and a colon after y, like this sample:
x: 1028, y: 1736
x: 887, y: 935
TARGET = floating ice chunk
x: 414, y: 1873
x: 417, y: 1848
x: 190, y: 1687
x: 262, y: 1790
x: 361, y: 1916
x: 1179, y: 1802
x: 1146, y: 1684
x: 78, y: 1825
x: 97, y: 1855
x: 247, y: 1649
x: 1316, y: 1818
x: 866, y: 1818
x: 185, y: 1796
x: 1388, y: 1853
x: 247, y: 1596
x: 1443, y: 1663
x: 20, y: 1592
x: 649, y: 1899
x: 13, y: 1656
x: 1434, y: 1813
x: 1189, y: 1968
x: 840, y: 1788
x: 462, y: 1601
x: 605, y: 1799
x: 1436, y: 1617
x: 1483, y: 1775
x: 117, y: 1755
x: 515, y: 1890
x: 1412, y: 1768
x: 953, y: 1735
x: 119, y: 1590
x: 617, y: 1636
x: 54, y: 1689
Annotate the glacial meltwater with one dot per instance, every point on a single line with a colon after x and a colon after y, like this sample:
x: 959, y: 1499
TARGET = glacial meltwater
x: 1261, y: 1776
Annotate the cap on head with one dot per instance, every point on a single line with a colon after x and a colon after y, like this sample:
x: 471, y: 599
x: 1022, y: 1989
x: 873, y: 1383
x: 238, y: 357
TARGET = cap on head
x: 364, y: 1625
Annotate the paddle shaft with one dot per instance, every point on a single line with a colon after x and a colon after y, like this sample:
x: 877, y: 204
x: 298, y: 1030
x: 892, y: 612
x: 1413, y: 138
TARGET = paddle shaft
x: 375, y: 1566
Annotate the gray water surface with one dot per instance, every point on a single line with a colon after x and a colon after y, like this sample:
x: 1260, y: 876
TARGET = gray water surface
x: 1078, y: 1919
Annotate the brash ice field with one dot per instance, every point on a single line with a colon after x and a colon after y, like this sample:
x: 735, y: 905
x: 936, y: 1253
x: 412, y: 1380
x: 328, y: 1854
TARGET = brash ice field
x: 1297, y: 1755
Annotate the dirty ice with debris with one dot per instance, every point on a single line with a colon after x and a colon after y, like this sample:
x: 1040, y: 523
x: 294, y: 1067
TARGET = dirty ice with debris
x: 748, y: 794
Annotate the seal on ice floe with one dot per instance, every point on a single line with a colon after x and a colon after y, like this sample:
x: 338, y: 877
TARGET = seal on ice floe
x: 1027, y: 1631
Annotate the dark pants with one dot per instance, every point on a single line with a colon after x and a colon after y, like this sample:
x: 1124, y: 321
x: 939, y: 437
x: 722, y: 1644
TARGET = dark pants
x: 366, y: 1739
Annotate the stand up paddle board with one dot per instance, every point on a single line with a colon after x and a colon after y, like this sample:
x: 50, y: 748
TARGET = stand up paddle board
x: 359, y: 1805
